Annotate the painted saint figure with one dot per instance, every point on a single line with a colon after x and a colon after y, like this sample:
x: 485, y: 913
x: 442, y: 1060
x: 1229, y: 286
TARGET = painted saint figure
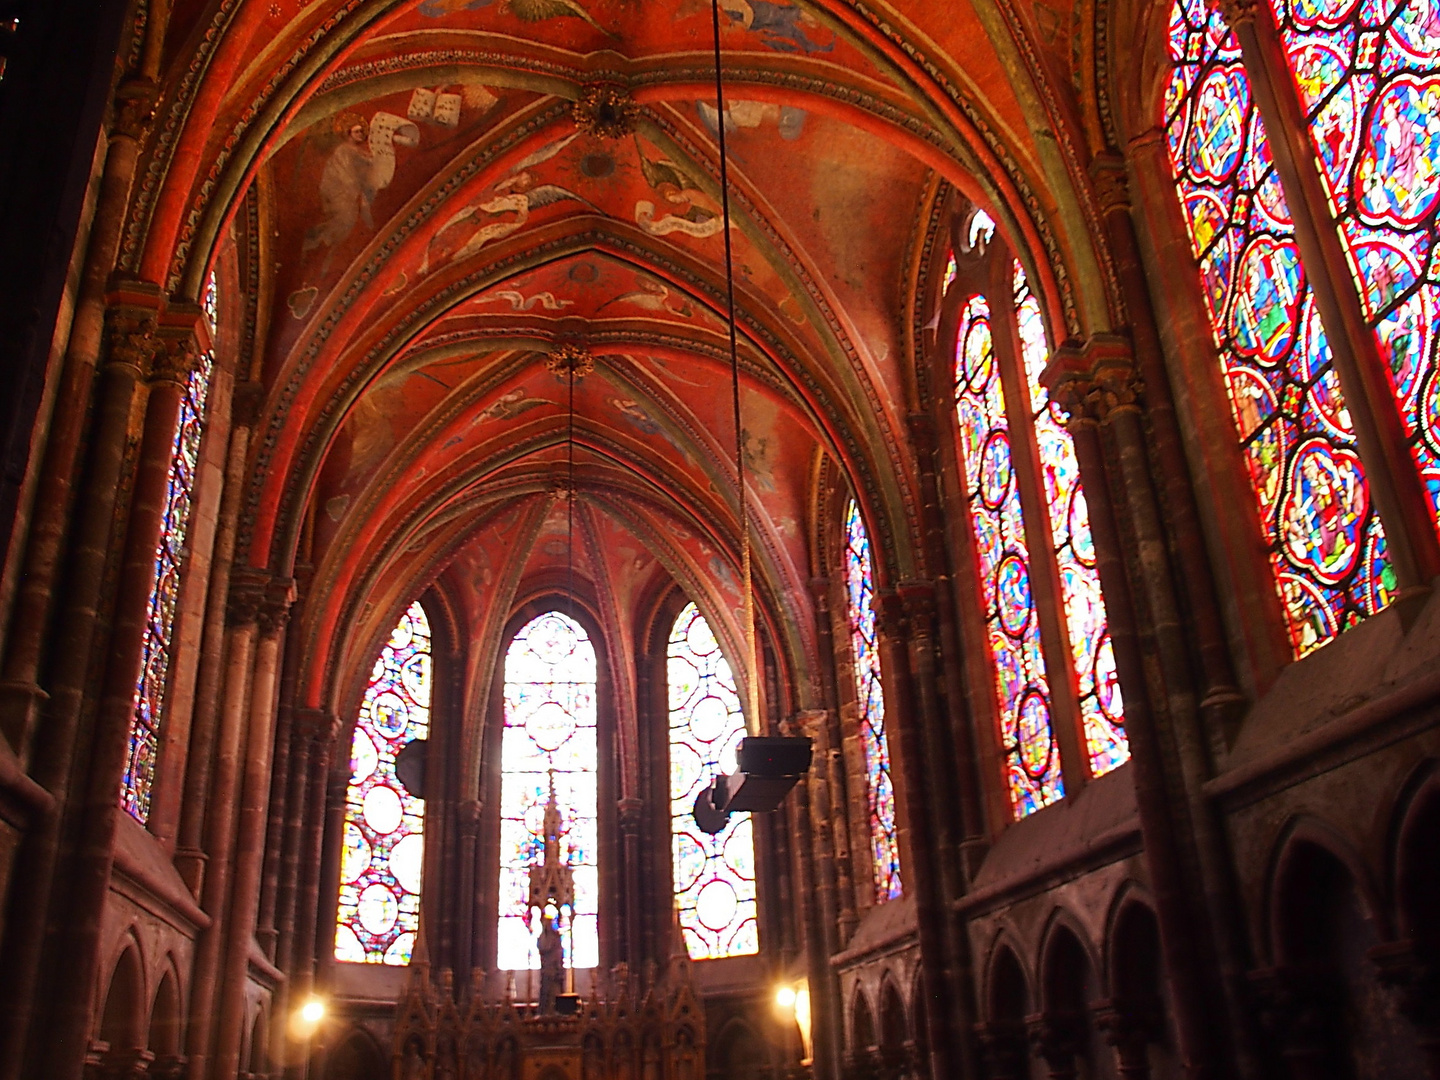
x: 358, y: 168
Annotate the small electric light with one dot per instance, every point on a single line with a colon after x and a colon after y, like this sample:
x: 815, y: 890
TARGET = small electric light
x: 785, y: 997
x: 313, y: 1011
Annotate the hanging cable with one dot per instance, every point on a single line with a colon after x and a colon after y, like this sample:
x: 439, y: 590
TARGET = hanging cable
x: 752, y: 685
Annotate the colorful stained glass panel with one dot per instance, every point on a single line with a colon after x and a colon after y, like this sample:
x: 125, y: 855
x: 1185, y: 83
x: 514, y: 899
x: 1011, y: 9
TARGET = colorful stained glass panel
x: 870, y: 699
x: 1102, y: 712
x: 1324, y: 539
x: 383, y: 844
x: 1369, y: 76
x: 549, y: 738
x: 1022, y: 689
x: 149, y: 701
x: 714, y: 875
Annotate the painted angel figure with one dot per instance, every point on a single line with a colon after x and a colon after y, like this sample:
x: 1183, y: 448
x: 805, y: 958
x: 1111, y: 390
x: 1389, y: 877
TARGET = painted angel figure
x: 358, y: 168
x: 517, y: 194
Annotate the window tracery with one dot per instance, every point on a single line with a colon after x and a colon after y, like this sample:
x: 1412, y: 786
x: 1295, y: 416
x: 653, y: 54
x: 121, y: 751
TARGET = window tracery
x: 549, y: 737
x: 383, y: 849
x: 870, y: 698
x: 1325, y: 541
x: 149, y: 701
x: 714, y: 875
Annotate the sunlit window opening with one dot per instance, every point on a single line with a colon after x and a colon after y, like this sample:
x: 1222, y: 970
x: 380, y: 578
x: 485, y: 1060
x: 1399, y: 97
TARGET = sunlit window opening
x: 384, y: 839
x: 549, y: 743
x: 714, y: 875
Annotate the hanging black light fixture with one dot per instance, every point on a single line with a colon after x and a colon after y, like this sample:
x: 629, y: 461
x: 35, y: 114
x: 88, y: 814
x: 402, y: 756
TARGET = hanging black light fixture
x: 767, y: 767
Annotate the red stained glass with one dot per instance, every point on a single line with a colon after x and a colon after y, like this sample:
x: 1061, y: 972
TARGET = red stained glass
x: 149, y: 701
x: 1325, y: 542
x: 714, y: 875
x: 870, y: 698
x: 1369, y: 76
x: 1022, y: 688
x: 384, y: 833
x: 1087, y: 624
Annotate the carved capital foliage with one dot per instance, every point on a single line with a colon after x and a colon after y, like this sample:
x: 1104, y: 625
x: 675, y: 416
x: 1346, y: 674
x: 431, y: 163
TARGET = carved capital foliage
x: 1057, y: 1038
x: 1094, y: 382
x: 1236, y: 12
x: 606, y: 110
x: 1002, y: 1048
x: 889, y: 613
x: 134, y: 108
x: 1129, y: 1028
x: 177, y: 357
x: 918, y: 598
x: 274, y: 610
x: 1112, y: 185
x: 811, y: 722
x: 247, y: 593
x: 131, y: 338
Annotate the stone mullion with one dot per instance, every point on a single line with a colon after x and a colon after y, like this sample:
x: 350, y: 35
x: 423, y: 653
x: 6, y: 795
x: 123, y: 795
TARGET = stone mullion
x: 1395, y: 485
x: 1183, y: 964
x: 822, y: 926
x: 89, y: 882
x: 325, y: 733
x: 831, y: 768
x: 919, y: 603
x: 1044, y: 567
x: 190, y: 857
x: 915, y: 838
x: 246, y: 592
x: 254, y: 797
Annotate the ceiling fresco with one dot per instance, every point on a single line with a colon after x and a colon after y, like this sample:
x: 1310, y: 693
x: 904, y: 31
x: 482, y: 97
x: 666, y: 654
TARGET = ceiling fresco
x: 425, y: 218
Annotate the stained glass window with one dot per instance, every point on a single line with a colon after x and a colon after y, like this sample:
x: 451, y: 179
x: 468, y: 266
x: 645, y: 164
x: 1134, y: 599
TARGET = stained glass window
x: 549, y: 738
x: 1325, y: 543
x: 1087, y: 624
x: 384, y: 832
x: 1022, y: 688
x: 149, y: 700
x: 714, y: 875
x: 870, y: 697
x: 1369, y: 77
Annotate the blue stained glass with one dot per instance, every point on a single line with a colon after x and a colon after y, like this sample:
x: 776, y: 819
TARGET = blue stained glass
x: 870, y: 699
x: 149, y: 701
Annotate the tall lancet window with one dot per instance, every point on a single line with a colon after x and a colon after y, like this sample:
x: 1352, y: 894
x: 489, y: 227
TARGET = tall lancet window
x: 150, y: 690
x: 714, y: 875
x: 1002, y: 553
x: 548, y: 744
x: 1326, y: 547
x: 384, y: 838
x: 1087, y: 624
x: 870, y: 700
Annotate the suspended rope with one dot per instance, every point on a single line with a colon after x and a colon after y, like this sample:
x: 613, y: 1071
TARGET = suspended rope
x: 752, y: 682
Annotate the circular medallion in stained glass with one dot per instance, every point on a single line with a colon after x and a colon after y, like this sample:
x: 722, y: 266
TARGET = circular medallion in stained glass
x: 405, y: 861
x: 1012, y: 593
x: 1217, y: 132
x: 1325, y: 509
x: 716, y: 905
x: 709, y: 719
x: 390, y: 714
x: 383, y: 809
x: 551, y: 726
x: 995, y: 469
x: 378, y: 909
x: 1033, y: 734
x: 355, y: 853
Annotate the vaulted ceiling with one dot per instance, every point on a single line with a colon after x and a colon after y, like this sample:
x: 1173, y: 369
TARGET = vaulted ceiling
x: 419, y: 222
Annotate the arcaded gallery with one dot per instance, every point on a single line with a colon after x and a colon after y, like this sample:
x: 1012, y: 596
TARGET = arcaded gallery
x: 720, y: 539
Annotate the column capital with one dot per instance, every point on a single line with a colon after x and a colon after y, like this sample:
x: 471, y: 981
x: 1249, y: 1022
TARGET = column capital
x: 176, y: 358
x: 811, y: 722
x: 132, y: 320
x: 1236, y: 12
x: 889, y: 613
x: 274, y: 610
x: 247, y: 593
x: 1111, y: 182
x: 317, y: 725
x: 134, y: 113
x: 1095, y: 380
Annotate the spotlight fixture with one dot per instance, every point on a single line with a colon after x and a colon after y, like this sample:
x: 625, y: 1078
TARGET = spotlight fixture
x: 768, y: 768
